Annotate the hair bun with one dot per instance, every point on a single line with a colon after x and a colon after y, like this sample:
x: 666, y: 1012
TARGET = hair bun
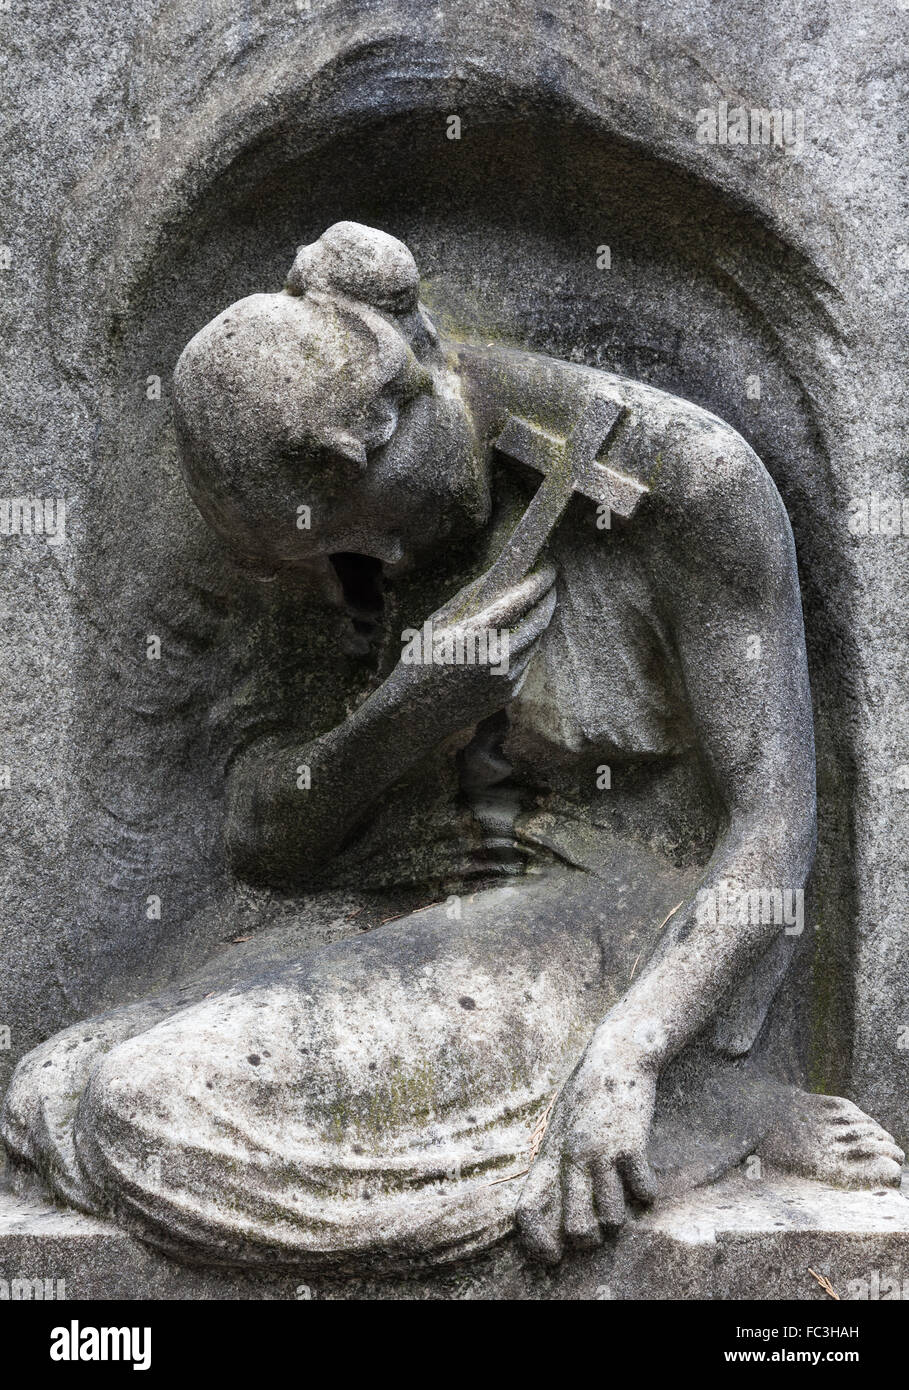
x: 360, y: 262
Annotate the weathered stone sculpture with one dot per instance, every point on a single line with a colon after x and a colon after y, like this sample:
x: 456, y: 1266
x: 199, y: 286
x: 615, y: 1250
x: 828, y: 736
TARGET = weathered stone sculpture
x: 615, y: 809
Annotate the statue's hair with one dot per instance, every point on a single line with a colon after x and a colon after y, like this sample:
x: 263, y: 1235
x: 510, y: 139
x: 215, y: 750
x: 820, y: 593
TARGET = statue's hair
x: 278, y: 386
x: 360, y: 263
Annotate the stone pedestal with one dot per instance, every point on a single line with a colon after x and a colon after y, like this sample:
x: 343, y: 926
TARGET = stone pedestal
x: 739, y: 1239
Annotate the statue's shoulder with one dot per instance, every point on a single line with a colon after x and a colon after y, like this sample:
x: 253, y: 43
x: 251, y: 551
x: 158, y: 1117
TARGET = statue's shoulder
x: 679, y: 429
x: 700, y: 470
x: 705, y: 482
x: 703, y: 448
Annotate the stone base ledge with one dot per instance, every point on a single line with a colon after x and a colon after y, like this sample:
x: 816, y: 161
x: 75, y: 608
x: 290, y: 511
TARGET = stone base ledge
x: 738, y: 1239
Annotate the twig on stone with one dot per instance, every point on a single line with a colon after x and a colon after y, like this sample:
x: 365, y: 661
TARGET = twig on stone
x: 536, y: 1139
x: 825, y: 1284
x: 412, y: 912
x: 659, y: 929
x: 669, y: 914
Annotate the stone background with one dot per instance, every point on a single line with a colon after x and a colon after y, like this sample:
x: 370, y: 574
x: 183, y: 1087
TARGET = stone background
x: 578, y: 127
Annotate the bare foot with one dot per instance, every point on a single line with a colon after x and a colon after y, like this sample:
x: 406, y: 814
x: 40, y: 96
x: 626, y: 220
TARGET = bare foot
x: 829, y: 1138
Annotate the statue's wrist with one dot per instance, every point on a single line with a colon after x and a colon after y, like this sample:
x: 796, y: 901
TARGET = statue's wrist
x: 638, y: 1041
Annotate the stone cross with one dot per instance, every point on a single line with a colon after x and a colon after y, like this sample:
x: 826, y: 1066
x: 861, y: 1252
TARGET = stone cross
x: 569, y: 465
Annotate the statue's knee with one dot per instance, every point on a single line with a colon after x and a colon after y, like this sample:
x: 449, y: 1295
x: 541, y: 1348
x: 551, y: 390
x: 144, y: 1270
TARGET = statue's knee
x: 19, y: 1108
x: 35, y: 1085
x: 124, y: 1097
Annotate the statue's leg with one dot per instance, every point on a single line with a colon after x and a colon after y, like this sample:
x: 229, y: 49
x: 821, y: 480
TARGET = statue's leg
x: 36, y: 1121
x: 38, y: 1110
x: 831, y: 1139
x: 713, y: 1111
x: 365, y: 1100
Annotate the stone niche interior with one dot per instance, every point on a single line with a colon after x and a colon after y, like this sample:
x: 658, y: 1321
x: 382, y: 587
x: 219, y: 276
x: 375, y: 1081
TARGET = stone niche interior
x: 506, y: 225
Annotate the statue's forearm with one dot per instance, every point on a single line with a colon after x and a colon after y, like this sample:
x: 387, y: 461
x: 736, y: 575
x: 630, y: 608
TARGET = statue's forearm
x: 716, y: 936
x: 291, y: 804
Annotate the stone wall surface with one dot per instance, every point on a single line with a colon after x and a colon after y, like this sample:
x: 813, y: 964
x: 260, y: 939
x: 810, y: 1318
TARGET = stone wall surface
x: 164, y: 159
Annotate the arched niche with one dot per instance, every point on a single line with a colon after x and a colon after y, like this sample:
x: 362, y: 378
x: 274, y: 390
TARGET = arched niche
x: 703, y: 296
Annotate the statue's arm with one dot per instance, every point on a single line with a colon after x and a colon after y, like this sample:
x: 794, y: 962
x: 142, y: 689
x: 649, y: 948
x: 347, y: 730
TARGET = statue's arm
x: 292, y: 803
x: 730, y: 577
x: 736, y: 615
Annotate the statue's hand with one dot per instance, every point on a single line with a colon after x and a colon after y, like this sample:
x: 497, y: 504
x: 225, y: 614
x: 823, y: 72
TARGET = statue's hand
x: 453, y: 694
x: 593, y: 1156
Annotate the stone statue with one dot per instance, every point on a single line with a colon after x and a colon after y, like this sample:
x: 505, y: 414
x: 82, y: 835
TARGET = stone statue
x: 589, y: 715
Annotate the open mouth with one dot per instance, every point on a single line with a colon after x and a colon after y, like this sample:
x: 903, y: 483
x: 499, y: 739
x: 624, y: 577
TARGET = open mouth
x: 362, y: 583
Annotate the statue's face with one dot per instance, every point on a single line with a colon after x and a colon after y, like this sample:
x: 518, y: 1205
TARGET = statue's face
x: 307, y: 429
x: 402, y: 500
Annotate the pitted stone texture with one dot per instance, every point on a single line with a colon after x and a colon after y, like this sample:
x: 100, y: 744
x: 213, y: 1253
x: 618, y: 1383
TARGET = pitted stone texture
x: 636, y: 71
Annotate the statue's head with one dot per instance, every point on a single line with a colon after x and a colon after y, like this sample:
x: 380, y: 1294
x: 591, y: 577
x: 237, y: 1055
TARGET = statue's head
x: 323, y: 418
